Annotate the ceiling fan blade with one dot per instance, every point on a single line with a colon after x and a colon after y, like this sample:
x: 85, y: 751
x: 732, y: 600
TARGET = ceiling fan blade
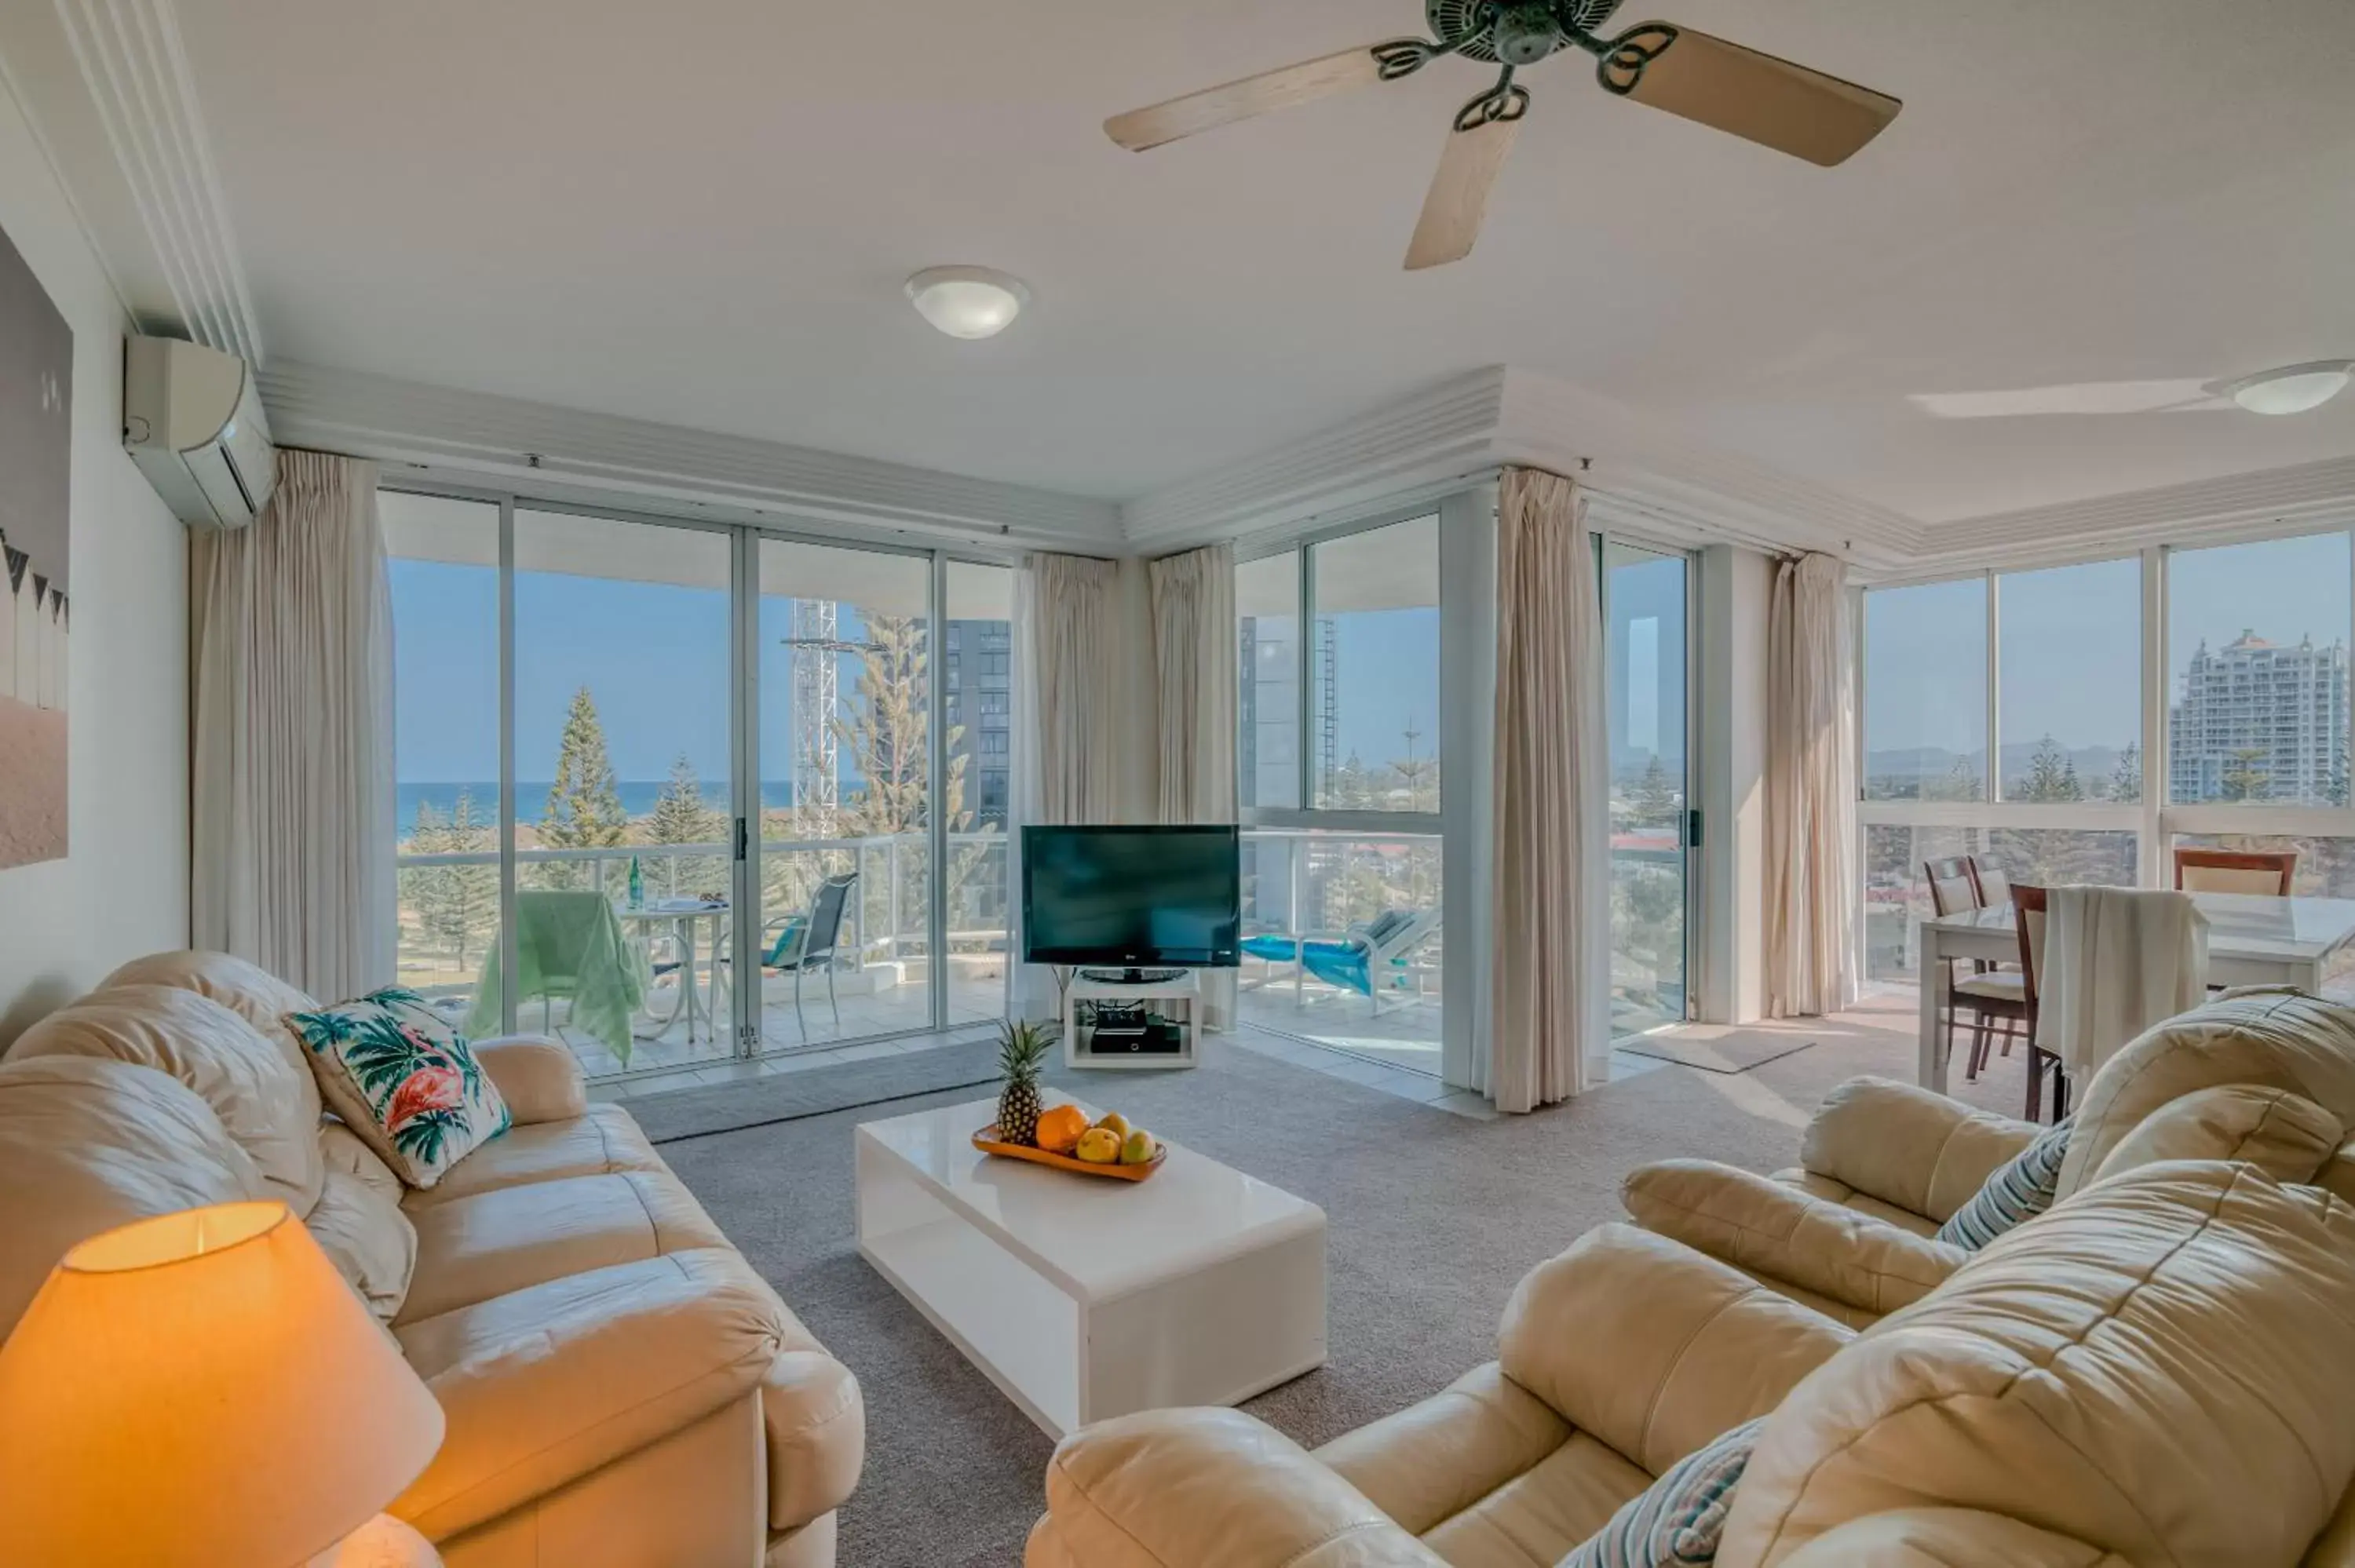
x: 1756, y: 95
x: 1457, y: 202
x: 1216, y: 106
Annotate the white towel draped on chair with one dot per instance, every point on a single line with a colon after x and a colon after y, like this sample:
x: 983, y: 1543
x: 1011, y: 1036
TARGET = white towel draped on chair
x: 2117, y: 961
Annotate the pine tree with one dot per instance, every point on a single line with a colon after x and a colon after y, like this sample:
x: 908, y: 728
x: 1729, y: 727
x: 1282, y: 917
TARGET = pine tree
x: 680, y: 817
x: 2052, y: 775
x: 584, y: 808
x: 2244, y: 776
x: 1655, y: 804
x: 2125, y: 779
x: 887, y: 733
x: 467, y: 896
x: 1418, y: 776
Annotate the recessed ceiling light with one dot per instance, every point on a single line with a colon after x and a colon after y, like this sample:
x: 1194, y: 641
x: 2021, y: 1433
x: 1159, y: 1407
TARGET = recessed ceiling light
x: 968, y: 302
x: 2292, y: 389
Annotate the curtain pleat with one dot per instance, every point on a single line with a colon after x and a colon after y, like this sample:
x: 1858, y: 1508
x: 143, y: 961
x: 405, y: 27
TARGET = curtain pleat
x: 1194, y: 654
x: 1810, y: 791
x: 292, y: 745
x: 1065, y: 762
x: 1546, y: 939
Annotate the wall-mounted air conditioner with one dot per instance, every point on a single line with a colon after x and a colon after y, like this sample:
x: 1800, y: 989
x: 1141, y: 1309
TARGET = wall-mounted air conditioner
x: 192, y: 420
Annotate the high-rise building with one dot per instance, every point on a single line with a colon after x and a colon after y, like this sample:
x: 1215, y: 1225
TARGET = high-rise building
x: 2258, y: 722
x: 977, y: 692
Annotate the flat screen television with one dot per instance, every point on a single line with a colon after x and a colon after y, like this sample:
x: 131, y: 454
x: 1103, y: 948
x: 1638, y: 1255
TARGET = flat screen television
x: 1132, y: 897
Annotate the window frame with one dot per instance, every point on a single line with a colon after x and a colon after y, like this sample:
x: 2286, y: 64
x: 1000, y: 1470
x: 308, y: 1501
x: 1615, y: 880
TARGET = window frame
x: 2157, y: 819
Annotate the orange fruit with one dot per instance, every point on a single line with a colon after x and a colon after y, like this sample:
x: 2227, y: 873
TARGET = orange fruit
x: 1059, y: 1128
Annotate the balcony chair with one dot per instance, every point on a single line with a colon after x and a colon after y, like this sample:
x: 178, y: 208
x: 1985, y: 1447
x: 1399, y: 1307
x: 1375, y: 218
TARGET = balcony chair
x: 2265, y: 872
x: 1350, y: 960
x: 808, y: 941
x: 1990, y: 994
x: 569, y: 945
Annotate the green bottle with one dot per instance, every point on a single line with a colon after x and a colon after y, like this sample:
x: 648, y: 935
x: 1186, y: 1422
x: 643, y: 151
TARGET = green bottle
x: 637, y: 886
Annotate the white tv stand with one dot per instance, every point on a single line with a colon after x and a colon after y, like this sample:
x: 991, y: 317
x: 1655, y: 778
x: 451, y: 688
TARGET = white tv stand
x: 1179, y: 1001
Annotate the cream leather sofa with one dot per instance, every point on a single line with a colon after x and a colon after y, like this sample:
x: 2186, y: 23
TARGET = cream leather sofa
x: 621, y: 1389
x: 2157, y: 1372
x: 2264, y: 1074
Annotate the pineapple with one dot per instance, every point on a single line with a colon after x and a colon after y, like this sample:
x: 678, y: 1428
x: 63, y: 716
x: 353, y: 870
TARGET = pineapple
x: 1022, y: 1050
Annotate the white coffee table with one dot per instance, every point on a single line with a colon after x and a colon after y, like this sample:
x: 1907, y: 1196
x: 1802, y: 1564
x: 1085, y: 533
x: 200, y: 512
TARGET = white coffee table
x: 1082, y: 1297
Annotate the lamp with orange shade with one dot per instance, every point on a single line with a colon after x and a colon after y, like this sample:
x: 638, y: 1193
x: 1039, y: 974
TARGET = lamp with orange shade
x: 202, y: 1390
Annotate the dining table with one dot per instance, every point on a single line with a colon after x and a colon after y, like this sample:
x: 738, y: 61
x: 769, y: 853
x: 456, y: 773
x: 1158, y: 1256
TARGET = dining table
x: 681, y: 915
x: 2252, y: 939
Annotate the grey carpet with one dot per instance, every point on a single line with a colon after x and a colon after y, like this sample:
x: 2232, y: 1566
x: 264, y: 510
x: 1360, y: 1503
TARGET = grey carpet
x: 755, y: 1102
x: 1726, y: 1050
x: 1432, y: 1219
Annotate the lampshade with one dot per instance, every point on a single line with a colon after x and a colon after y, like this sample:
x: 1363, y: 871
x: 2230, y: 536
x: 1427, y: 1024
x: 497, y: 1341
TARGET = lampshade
x: 968, y: 302
x: 202, y: 1389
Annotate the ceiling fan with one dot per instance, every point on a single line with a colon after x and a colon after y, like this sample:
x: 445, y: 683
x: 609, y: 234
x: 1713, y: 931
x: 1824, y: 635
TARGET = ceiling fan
x: 1756, y: 95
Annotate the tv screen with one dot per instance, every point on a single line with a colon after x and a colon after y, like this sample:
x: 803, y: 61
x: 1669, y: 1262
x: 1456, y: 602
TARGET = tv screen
x: 1131, y: 896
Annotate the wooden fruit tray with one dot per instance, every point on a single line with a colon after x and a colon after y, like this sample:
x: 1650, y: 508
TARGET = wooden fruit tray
x: 987, y: 1140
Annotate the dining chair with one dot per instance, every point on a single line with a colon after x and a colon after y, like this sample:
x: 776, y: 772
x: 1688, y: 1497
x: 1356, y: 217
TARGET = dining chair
x: 810, y: 942
x: 2266, y: 873
x: 1990, y: 994
x: 1994, y: 888
x: 2028, y: 907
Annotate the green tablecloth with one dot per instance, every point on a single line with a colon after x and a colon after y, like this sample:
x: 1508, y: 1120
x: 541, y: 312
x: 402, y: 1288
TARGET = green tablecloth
x: 569, y: 946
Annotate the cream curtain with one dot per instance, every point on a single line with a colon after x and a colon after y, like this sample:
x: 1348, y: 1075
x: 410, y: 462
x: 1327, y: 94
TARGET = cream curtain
x: 291, y: 626
x: 1810, y: 791
x: 1065, y: 728
x: 1194, y: 653
x: 1547, y: 925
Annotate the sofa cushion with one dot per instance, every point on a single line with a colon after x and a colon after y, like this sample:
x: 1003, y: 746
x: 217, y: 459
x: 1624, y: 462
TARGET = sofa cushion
x: 254, y: 993
x: 2283, y: 1134
x: 402, y: 1079
x: 606, y: 1138
x: 367, y: 1238
x: 470, y: 1250
x: 1675, y: 1521
x: 2155, y: 1368
x: 555, y: 1380
x: 88, y: 1143
x: 261, y: 1094
x: 1534, y: 1519
x: 1490, y: 1427
x: 2020, y: 1189
x: 2261, y: 1037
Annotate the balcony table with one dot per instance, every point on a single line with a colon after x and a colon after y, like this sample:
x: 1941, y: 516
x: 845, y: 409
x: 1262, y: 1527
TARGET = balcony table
x: 2252, y: 940
x: 681, y: 915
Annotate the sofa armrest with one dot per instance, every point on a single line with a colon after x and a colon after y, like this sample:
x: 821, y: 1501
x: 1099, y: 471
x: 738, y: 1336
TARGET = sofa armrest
x: 1774, y: 1230
x: 1208, y: 1489
x: 1908, y: 1146
x: 539, y: 1078
x: 1654, y: 1348
x: 815, y: 1422
x: 660, y: 1344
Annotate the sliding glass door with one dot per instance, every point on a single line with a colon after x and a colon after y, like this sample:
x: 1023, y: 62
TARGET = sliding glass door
x: 1644, y: 598
x: 682, y: 792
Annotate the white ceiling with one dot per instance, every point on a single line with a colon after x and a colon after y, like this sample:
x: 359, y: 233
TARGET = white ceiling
x: 701, y: 211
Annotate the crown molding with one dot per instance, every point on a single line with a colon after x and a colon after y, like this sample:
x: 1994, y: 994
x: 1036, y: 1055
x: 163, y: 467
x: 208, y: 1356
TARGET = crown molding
x: 2202, y: 511
x: 442, y: 433
x: 107, y: 86
x: 1475, y: 423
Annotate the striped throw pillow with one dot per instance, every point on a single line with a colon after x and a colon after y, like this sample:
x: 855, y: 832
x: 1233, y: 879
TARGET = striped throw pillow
x: 1675, y: 1521
x: 2020, y: 1189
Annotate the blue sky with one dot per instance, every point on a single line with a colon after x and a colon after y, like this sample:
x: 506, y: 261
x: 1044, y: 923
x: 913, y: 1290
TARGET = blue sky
x: 2072, y: 641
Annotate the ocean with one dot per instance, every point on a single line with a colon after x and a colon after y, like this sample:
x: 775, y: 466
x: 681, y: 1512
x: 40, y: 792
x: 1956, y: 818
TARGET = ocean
x: 638, y: 797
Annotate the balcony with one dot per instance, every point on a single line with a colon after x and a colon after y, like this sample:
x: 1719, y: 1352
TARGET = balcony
x: 449, y: 926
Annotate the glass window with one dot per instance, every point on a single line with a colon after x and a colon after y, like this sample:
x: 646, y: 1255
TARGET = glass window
x: 2069, y: 668
x: 1267, y: 612
x: 1896, y: 895
x: 2325, y: 869
x: 980, y: 601
x: 445, y: 575
x: 622, y: 746
x: 1373, y: 670
x: 1644, y: 676
x: 1926, y: 692
x: 1384, y: 887
x: 2257, y: 647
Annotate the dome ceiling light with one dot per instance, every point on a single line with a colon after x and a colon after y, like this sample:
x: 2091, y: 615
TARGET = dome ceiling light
x: 968, y: 302
x: 2292, y: 389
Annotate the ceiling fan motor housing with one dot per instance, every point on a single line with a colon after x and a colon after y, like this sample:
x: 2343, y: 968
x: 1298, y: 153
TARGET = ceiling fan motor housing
x: 1513, y: 32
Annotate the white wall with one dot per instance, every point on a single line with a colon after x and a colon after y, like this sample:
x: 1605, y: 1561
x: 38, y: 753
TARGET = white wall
x: 1736, y: 587
x: 124, y: 890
